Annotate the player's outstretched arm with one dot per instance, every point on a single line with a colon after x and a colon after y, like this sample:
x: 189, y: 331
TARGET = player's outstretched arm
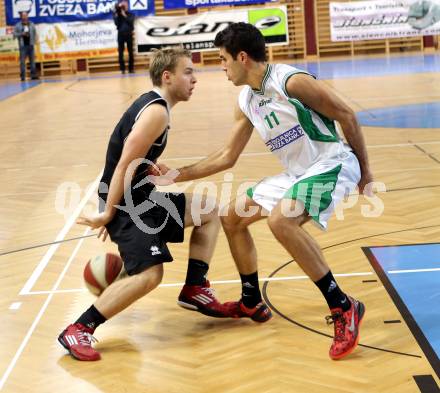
x: 224, y: 158
x: 218, y: 161
x: 316, y: 95
x: 146, y: 130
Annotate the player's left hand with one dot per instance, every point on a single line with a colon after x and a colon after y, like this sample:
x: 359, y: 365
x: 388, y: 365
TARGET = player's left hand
x: 97, y: 221
x: 102, y: 234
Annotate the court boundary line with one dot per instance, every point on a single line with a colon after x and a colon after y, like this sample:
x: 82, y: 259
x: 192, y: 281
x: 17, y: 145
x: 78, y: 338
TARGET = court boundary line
x: 416, y: 331
x: 264, y: 279
x: 40, y: 314
x: 61, y: 235
x: 217, y: 282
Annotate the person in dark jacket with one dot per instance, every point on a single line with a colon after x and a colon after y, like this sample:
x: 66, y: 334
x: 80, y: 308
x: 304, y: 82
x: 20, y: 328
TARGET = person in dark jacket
x: 124, y: 21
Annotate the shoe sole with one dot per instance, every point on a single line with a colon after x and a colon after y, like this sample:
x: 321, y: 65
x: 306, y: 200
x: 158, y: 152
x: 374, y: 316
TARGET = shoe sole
x: 65, y: 346
x: 268, y: 316
x: 207, y: 312
x: 262, y: 321
x: 361, y: 318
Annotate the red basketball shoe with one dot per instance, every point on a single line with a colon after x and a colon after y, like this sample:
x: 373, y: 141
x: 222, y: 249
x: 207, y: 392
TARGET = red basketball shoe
x: 202, y: 299
x: 77, y: 339
x: 260, y: 313
x: 346, y: 328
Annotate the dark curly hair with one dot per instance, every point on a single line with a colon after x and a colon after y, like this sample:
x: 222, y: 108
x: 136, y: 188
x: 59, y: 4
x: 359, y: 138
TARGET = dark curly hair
x: 244, y: 37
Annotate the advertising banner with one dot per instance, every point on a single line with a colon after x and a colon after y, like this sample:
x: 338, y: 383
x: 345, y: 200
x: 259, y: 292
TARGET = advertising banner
x: 197, y: 32
x: 380, y: 19
x: 172, y: 4
x: 58, y: 11
x: 77, y: 40
x: 8, y: 45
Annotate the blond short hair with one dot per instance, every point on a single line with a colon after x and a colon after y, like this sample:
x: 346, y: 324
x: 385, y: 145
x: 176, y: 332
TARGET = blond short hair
x: 165, y: 60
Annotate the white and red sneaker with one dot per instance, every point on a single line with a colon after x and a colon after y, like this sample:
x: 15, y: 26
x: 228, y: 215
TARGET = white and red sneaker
x: 77, y: 339
x: 201, y: 298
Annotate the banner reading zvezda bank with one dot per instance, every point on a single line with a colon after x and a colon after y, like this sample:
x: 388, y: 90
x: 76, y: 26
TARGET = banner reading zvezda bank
x: 58, y: 11
x: 172, y: 4
x: 197, y: 32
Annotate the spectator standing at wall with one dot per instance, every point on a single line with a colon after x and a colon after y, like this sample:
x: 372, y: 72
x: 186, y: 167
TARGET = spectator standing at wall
x: 26, y: 34
x: 124, y: 21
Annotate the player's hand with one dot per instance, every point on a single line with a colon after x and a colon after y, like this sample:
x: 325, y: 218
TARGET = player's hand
x: 161, y: 175
x: 157, y: 169
x: 96, y: 221
x: 365, y: 184
x: 102, y: 234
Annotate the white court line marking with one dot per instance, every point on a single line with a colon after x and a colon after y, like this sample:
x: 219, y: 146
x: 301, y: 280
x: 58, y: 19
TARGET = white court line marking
x: 427, y: 168
x: 266, y: 153
x: 404, y: 144
x: 286, y: 278
x: 40, y: 314
x: 15, y: 306
x: 436, y: 269
x: 61, y: 235
x: 179, y: 284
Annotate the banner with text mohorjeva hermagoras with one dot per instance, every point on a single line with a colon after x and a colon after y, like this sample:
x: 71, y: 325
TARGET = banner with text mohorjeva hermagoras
x: 77, y: 39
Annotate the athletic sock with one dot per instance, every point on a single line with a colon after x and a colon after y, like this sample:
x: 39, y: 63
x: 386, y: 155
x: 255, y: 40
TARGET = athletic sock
x: 250, y: 290
x: 333, y: 295
x: 196, y: 273
x: 91, y: 318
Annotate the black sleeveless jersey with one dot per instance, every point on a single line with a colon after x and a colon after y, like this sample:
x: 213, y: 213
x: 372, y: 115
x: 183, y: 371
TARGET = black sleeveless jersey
x: 117, y: 140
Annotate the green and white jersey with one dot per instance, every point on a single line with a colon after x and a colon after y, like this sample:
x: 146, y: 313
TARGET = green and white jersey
x: 297, y: 135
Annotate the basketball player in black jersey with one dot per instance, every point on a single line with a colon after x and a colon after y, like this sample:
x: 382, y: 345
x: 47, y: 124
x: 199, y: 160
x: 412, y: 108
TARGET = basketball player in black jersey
x: 140, y: 219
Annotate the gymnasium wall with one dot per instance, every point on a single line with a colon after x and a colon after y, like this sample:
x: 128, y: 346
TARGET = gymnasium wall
x: 309, y: 36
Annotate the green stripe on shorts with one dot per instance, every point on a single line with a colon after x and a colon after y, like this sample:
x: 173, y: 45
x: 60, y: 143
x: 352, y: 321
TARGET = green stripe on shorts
x: 315, y: 191
x: 250, y: 192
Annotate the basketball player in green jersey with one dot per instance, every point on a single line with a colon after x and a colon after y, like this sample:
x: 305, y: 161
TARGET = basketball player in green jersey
x: 295, y: 116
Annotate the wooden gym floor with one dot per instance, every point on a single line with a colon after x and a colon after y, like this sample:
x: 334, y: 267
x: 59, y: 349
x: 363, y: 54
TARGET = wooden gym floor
x: 53, y: 140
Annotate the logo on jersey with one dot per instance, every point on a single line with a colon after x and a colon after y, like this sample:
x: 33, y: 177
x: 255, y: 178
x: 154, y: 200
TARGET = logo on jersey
x: 285, y: 138
x: 264, y: 102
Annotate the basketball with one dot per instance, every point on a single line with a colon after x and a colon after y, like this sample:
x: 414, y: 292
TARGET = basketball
x: 101, y: 271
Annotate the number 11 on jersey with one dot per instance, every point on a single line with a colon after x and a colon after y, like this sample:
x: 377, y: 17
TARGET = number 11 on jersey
x: 269, y: 122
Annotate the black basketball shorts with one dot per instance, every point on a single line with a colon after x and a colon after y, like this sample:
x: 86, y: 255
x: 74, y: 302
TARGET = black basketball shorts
x: 142, y: 241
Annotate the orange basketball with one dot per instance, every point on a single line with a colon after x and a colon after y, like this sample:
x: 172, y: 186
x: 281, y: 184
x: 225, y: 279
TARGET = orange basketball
x: 101, y: 271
